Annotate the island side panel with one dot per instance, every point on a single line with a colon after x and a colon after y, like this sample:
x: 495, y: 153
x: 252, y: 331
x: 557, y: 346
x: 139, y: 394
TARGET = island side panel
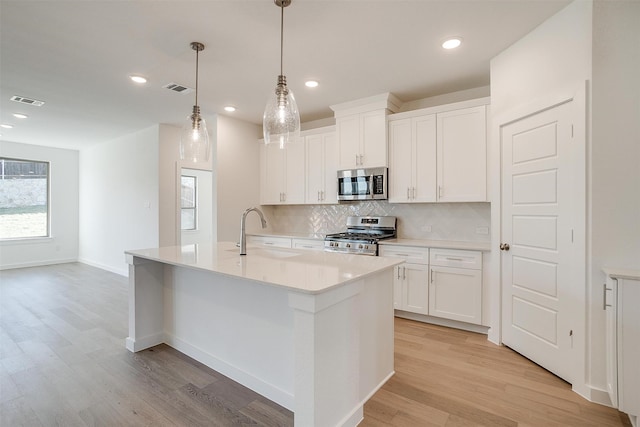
x: 239, y: 328
x: 344, y: 349
x: 146, y: 325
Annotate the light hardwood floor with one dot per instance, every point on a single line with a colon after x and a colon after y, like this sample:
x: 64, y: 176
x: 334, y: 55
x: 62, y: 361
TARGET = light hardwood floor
x: 63, y: 362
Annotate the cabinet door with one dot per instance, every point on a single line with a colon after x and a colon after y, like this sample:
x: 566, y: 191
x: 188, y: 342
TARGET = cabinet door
x: 456, y: 293
x: 462, y: 155
x: 321, y: 165
x: 295, y: 173
x: 330, y: 188
x: 611, y: 342
x: 397, y: 287
x: 348, y: 131
x: 401, y: 161
x: 373, y: 139
x: 424, y: 158
x: 416, y: 288
x: 272, y: 173
x: 315, y: 169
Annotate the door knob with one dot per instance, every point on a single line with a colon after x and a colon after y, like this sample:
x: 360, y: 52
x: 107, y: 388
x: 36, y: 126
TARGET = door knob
x: 504, y: 246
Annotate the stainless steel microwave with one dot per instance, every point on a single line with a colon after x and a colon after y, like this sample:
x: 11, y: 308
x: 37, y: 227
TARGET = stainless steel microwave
x: 362, y: 184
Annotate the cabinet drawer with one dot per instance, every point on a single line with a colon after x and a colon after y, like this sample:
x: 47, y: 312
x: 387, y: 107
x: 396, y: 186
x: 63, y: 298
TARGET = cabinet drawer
x: 309, y: 244
x: 277, y: 242
x: 456, y: 258
x: 407, y: 253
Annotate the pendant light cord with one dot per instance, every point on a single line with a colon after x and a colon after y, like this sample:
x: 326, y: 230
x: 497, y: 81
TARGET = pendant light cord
x: 197, y: 55
x: 281, y: 33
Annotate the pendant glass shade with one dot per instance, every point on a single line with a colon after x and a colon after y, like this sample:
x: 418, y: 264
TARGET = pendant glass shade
x: 281, y: 120
x: 194, y: 138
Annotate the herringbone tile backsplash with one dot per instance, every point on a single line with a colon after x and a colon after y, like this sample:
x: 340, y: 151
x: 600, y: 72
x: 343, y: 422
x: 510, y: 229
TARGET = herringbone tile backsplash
x: 448, y: 221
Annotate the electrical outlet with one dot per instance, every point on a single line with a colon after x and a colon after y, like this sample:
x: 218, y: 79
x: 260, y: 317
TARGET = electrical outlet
x: 426, y: 228
x: 482, y: 230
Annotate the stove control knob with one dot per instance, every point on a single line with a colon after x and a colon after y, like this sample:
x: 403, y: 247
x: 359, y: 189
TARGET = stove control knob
x: 334, y: 244
x: 348, y: 245
x: 366, y: 246
x: 360, y: 246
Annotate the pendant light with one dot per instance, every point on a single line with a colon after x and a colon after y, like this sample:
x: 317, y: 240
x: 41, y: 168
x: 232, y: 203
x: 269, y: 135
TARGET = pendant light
x: 281, y: 120
x: 194, y: 138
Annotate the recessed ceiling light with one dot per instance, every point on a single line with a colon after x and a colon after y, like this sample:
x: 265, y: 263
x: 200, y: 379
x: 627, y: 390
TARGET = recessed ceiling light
x: 311, y: 83
x: 20, y: 116
x: 452, y: 43
x: 230, y: 108
x: 6, y: 126
x: 138, y: 79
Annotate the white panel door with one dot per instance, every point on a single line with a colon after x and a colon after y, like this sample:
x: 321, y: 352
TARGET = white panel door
x: 456, y: 293
x: 315, y: 168
x: 538, y: 307
x: 415, y: 292
x: 295, y: 173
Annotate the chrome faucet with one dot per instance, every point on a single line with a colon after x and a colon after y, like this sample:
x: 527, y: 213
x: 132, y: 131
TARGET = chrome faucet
x: 243, y: 235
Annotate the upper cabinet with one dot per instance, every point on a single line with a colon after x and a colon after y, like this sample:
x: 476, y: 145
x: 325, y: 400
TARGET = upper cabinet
x: 321, y: 166
x: 303, y: 172
x: 439, y: 156
x: 282, y: 174
x: 412, y: 160
x: 361, y: 128
x: 462, y: 155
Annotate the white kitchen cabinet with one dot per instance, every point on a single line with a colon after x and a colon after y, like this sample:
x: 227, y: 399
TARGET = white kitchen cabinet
x: 321, y: 168
x: 412, y: 159
x: 282, y: 174
x: 411, y: 279
x: 270, y: 241
x: 307, y: 244
x: 455, y: 285
x: 362, y: 140
x: 462, y: 155
x: 621, y: 302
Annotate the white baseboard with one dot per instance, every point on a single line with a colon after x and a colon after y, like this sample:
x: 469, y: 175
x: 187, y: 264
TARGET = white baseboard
x: 37, y: 263
x: 120, y: 271
x: 269, y: 391
x: 442, y: 322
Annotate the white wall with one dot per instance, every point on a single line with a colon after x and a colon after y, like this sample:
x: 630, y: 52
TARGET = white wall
x: 614, y: 207
x: 237, y: 176
x: 62, y: 246
x: 119, y: 199
x: 597, y: 42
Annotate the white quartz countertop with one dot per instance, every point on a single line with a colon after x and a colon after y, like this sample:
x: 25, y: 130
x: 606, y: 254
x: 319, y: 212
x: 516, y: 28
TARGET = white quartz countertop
x: 310, y: 272
x: 442, y: 244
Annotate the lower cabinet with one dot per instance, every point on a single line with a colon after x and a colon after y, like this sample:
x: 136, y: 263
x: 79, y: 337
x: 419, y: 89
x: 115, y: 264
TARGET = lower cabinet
x: 442, y: 283
x: 270, y: 241
x: 455, y: 285
x: 621, y: 302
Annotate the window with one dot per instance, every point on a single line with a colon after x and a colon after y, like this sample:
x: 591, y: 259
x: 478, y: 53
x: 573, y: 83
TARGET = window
x: 188, y: 203
x: 24, y: 199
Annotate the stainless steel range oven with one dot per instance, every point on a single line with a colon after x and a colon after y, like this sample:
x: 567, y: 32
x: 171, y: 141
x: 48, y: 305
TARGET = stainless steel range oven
x: 362, y: 235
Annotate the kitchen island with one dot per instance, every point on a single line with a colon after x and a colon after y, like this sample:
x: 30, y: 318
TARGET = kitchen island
x: 312, y: 331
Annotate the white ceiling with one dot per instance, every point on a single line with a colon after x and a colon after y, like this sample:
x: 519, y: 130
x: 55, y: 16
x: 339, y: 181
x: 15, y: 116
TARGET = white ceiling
x: 77, y: 55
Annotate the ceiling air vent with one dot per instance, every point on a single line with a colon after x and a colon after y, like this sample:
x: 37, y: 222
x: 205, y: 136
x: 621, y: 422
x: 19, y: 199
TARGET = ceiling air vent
x: 29, y: 101
x: 178, y: 88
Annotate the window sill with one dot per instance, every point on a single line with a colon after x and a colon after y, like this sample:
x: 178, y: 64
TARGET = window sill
x: 25, y: 241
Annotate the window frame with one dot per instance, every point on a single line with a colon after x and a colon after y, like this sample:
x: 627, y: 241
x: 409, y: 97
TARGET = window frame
x: 47, y: 234
x: 194, y: 208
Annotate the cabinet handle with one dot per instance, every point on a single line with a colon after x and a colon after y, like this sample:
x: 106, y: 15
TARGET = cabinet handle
x: 321, y: 195
x: 439, y: 190
x: 361, y: 156
x: 408, y: 197
x: 269, y: 243
x: 398, y: 272
x: 604, y: 296
x: 453, y: 259
x: 431, y: 275
x: 413, y: 192
x: 406, y: 255
x: 284, y: 197
x: 404, y: 273
x: 357, y: 163
x: 318, y: 196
